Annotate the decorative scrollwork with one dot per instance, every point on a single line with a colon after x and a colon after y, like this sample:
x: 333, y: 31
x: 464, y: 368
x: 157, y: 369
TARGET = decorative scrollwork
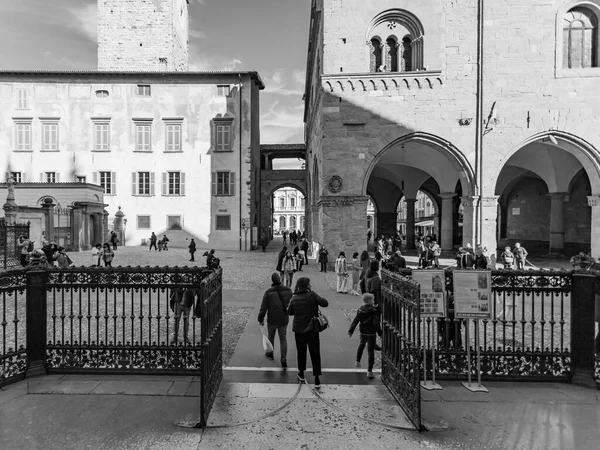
x: 335, y: 184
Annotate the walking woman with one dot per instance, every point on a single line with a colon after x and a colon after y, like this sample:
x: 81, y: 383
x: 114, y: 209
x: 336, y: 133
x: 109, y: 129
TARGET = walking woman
x: 289, y: 267
x: 304, y: 306
x: 356, y: 270
x: 365, y: 263
x: 341, y: 271
x: 107, y: 255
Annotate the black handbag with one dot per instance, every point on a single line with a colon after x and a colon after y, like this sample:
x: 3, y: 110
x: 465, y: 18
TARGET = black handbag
x: 319, y: 322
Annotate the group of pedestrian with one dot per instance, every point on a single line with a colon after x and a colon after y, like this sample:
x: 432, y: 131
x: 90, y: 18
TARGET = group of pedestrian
x: 517, y: 256
x: 278, y: 303
x: 288, y: 263
x: 428, y: 251
x: 104, y: 253
x: 159, y: 245
x: 295, y: 236
x: 467, y: 258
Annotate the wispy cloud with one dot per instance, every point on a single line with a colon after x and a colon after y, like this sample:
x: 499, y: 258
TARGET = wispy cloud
x: 200, y: 61
x: 282, y: 82
x: 82, y: 17
x: 282, y: 124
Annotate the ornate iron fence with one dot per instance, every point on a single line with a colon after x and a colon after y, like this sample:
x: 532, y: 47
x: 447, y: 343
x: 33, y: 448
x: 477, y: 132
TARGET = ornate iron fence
x: 401, y: 350
x: 118, y: 320
x: 13, y: 358
x: 528, y: 337
x: 10, y: 253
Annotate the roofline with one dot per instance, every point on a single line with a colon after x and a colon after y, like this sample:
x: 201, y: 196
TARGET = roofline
x: 131, y: 74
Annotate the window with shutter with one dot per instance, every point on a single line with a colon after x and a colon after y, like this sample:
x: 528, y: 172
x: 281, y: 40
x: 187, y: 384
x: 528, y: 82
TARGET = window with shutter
x: 49, y: 135
x: 101, y: 135
x: 107, y: 182
x: 173, y: 137
x: 23, y: 135
x: 22, y: 99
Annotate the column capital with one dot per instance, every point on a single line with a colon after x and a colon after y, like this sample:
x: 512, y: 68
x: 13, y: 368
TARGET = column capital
x: 593, y: 200
x: 447, y: 195
x: 469, y: 201
x: 490, y: 201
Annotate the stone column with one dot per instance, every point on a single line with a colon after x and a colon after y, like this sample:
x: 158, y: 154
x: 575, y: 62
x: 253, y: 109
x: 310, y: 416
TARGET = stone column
x: 410, y: 222
x: 469, y: 204
x: 557, y: 222
x: 343, y: 221
x: 489, y: 208
x: 594, y: 203
x: 447, y: 229
x: 79, y: 237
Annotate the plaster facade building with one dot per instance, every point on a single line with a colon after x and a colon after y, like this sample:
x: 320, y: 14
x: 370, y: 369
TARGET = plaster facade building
x: 467, y: 101
x: 172, y: 150
x: 289, y: 205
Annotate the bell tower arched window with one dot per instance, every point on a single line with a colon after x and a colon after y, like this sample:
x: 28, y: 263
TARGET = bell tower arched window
x: 375, y: 54
x: 395, y: 40
x: 580, y: 36
x: 391, y: 54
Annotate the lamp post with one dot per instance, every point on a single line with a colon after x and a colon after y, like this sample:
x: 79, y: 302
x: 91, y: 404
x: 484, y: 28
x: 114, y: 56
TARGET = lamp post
x: 124, y: 231
x: 58, y: 223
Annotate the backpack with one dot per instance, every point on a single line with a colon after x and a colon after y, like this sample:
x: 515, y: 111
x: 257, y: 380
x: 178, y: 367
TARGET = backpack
x: 30, y: 247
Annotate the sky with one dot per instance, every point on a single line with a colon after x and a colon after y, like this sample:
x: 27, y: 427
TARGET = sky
x: 269, y: 36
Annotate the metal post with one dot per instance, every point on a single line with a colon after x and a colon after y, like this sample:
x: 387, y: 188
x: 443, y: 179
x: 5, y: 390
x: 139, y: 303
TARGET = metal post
x: 36, y: 303
x: 583, y: 328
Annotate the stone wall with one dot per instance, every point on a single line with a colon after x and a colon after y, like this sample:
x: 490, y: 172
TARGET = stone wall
x: 143, y: 35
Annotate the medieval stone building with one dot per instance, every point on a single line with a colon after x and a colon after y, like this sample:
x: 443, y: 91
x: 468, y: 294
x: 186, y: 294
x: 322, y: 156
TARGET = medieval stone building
x: 489, y: 108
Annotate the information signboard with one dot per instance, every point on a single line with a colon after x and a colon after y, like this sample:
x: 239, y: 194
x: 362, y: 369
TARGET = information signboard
x: 472, y: 294
x: 432, y: 284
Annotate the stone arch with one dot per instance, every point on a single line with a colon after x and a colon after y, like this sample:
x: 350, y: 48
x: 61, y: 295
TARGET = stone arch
x: 582, y: 150
x: 288, y: 184
x: 446, y: 149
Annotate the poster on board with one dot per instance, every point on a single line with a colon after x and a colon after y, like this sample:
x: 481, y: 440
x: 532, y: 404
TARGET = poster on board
x: 472, y: 294
x: 432, y: 283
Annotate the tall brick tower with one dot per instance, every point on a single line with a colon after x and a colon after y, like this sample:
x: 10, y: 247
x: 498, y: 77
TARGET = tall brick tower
x: 143, y: 35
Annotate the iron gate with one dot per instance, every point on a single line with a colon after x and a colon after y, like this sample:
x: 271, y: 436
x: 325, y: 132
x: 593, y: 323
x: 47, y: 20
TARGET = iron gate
x: 10, y: 252
x: 401, y: 349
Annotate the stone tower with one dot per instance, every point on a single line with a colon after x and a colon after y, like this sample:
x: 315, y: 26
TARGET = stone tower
x: 143, y: 35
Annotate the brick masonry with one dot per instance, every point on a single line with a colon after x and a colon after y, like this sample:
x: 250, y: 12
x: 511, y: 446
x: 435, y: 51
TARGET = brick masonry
x: 143, y: 35
x: 353, y: 117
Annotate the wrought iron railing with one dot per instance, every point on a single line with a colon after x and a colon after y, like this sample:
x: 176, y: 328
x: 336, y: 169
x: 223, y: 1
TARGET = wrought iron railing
x: 10, y: 252
x: 13, y: 356
x: 401, y: 337
x: 528, y: 336
x: 115, y: 320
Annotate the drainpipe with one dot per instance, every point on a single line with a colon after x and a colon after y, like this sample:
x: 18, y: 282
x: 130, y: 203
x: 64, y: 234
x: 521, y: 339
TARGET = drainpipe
x: 240, y: 175
x: 479, y: 124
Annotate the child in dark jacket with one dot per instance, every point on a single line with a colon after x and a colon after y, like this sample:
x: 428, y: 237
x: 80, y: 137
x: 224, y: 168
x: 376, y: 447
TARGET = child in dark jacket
x: 368, y: 318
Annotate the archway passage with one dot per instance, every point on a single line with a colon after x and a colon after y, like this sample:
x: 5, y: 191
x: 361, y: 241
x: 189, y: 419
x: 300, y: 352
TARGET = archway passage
x: 288, y: 210
x: 426, y: 163
x: 545, y: 190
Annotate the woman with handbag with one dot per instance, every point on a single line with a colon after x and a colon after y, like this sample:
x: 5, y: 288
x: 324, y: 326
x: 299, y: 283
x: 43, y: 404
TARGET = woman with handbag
x: 304, y: 306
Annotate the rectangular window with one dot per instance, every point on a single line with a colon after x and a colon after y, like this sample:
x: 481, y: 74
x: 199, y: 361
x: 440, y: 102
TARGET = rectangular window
x: 174, y: 222
x: 16, y: 176
x: 50, y: 177
x: 292, y: 202
x: 22, y: 99
x: 101, y: 136
x: 143, y: 222
x: 223, y: 183
x: 173, y: 138
x: 23, y: 136
x: 223, y: 223
x: 107, y: 181
x: 223, y: 138
x: 282, y: 202
x: 173, y: 183
x: 143, y: 90
x: 143, y: 137
x: 223, y: 90
x: 80, y: 179
x: 49, y: 136
x: 143, y: 183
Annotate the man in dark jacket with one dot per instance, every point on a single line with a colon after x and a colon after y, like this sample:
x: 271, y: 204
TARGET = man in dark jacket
x: 398, y: 260
x: 368, y: 317
x: 373, y: 282
x: 181, y: 302
x: 304, y: 248
x: 280, y: 257
x: 303, y: 307
x: 275, y: 302
x: 192, y: 249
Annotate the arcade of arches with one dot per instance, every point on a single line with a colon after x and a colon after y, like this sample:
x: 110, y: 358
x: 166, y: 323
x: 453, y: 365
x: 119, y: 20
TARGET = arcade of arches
x: 544, y: 195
